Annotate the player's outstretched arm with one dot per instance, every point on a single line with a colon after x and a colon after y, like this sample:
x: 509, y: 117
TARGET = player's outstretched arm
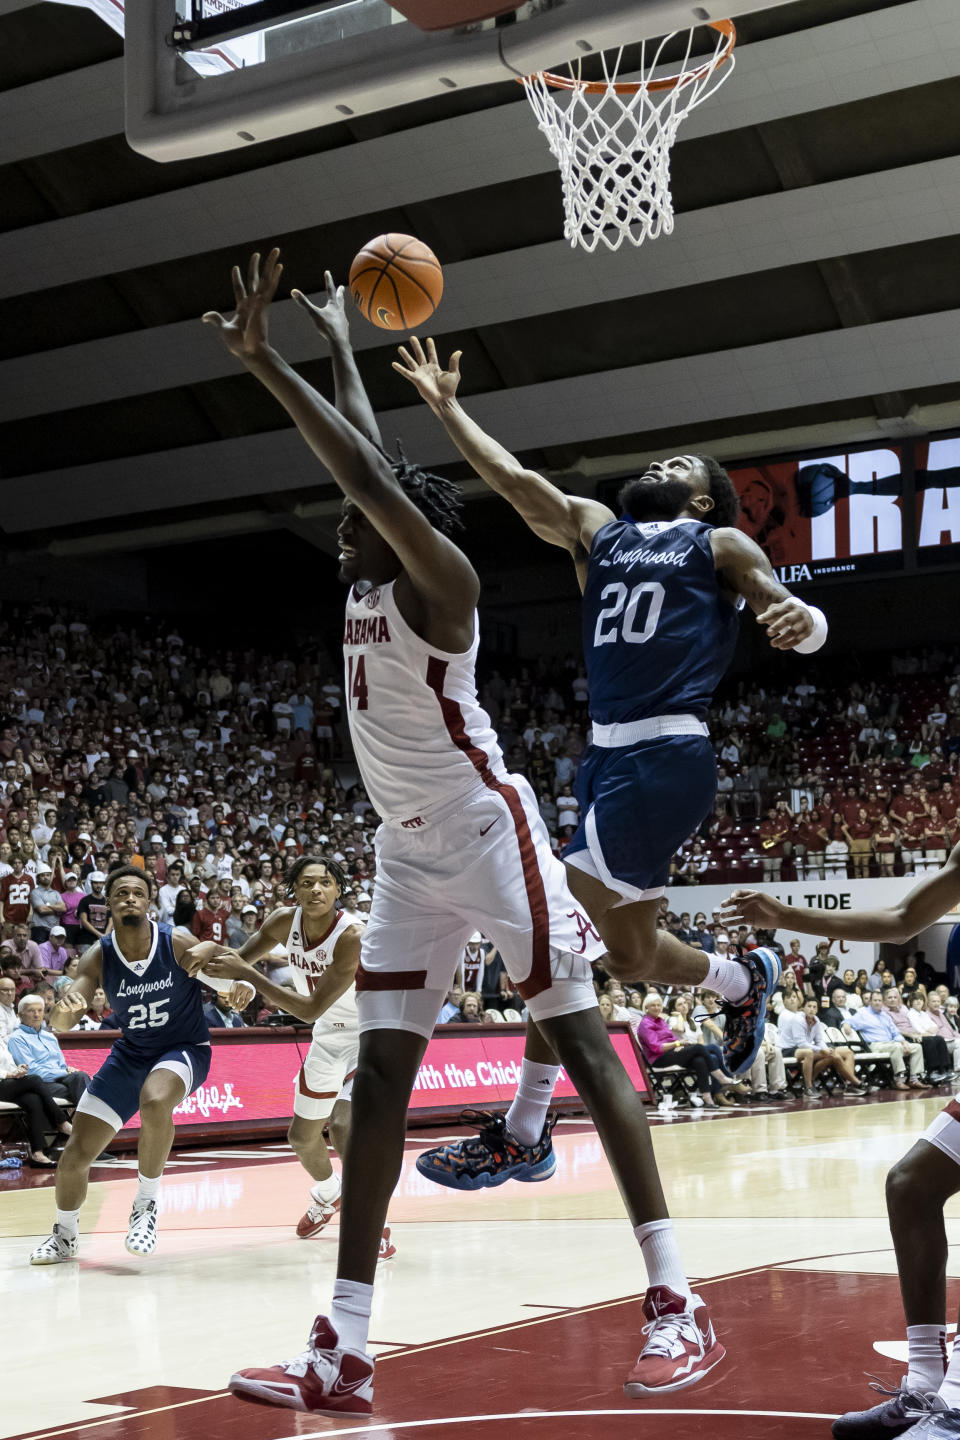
x: 350, y: 396
x: 565, y: 520
x: 195, y: 957
x: 334, y: 982
x: 439, y: 572
x: 791, y: 623
x: 71, y: 1005
x: 923, y: 906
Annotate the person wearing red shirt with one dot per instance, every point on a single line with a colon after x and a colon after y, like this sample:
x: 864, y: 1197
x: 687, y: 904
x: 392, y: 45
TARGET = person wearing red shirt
x: 935, y: 840
x: 210, y: 921
x: 911, y: 840
x: 850, y: 805
x: 901, y: 805
x: 859, y: 835
x: 885, y: 842
x: 796, y: 962
x: 15, y: 890
x: 773, y: 831
x: 947, y: 802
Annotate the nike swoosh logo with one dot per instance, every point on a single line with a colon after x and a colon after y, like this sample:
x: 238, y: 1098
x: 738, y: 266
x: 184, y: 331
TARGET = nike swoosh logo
x: 490, y: 826
x: 339, y: 1388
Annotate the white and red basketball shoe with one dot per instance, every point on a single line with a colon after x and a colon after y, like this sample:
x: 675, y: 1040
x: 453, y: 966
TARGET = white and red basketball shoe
x: 681, y: 1347
x: 316, y: 1217
x: 387, y: 1247
x: 324, y: 1380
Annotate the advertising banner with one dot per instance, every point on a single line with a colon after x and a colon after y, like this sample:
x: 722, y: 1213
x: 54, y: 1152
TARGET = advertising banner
x: 252, y: 1080
x: 826, y: 516
x: 938, y: 501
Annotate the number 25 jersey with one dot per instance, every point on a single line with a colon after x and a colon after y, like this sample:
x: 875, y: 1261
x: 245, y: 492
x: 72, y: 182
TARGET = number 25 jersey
x: 156, y: 1004
x: 658, y: 632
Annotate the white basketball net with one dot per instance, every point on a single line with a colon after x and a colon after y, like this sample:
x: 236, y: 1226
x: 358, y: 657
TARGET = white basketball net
x: 614, y: 149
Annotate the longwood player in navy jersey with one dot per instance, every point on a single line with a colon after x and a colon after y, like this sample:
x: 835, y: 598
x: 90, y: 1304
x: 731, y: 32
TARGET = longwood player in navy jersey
x: 149, y: 974
x: 461, y: 847
x: 661, y: 586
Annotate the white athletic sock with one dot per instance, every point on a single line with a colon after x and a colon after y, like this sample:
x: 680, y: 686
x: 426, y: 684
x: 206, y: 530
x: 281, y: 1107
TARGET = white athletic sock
x: 661, y: 1255
x: 147, y: 1189
x: 532, y: 1101
x: 350, y: 1313
x: 326, y: 1191
x: 69, y: 1221
x: 950, y: 1389
x: 926, y: 1357
x: 729, y: 978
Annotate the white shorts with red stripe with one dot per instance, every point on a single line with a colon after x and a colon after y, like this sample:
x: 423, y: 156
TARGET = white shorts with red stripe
x: 326, y: 1075
x: 944, y: 1131
x: 485, y: 864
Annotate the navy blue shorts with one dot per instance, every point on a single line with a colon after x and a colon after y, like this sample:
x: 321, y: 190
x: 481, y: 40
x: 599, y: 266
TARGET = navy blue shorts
x: 113, y: 1094
x: 638, y: 804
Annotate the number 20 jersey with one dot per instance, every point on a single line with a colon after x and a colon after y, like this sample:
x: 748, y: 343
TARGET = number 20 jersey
x: 156, y: 1004
x: 658, y: 633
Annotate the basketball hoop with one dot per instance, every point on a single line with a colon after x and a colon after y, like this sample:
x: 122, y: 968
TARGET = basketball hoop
x: 613, y: 138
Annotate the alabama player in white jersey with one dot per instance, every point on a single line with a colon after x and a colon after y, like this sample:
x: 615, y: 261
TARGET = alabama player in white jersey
x: 461, y: 847
x: 322, y: 942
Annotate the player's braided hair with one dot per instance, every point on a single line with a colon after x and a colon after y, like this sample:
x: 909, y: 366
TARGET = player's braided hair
x: 435, y: 497
x: 726, y: 501
x: 302, y: 861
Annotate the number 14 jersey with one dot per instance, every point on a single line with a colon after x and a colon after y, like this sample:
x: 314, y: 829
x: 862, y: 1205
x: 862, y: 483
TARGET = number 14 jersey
x: 156, y: 1004
x: 658, y: 632
x: 420, y: 735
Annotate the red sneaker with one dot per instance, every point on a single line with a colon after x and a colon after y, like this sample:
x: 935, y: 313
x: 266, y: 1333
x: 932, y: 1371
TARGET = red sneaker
x: 316, y: 1217
x: 387, y: 1249
x: 682, y: 1347
x: 324, y: 1380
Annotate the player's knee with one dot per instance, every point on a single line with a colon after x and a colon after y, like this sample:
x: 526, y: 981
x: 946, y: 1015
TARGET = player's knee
x: 156, y: 1110
x: 627, y: 966
x: 339, y: 1132
x: 904, y: 1188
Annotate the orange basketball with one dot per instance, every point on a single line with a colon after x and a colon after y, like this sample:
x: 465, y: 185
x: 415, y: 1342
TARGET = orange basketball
x: 396, y: 282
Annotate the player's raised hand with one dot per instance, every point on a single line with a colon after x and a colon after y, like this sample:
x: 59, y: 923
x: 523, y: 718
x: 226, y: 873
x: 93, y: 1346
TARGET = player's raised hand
x: 246, y: 334
x: 787, y: 623
x: 423, y: 369
x: 751, y: 907
x: 330, y: 318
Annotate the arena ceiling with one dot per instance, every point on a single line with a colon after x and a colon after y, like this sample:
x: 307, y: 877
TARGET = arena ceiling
x: 809, y: 294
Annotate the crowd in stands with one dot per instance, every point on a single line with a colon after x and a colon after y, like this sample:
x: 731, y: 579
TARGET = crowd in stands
x: 212, y: 770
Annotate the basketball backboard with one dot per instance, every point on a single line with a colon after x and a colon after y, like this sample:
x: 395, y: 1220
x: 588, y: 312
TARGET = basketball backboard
x: 353, y: 58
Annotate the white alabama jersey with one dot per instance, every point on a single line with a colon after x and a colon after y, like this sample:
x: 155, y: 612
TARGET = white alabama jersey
x: 309, y: 962
x: 420, y: 735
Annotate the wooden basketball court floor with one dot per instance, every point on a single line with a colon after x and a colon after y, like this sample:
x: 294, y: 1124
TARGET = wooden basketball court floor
x: 508, y: 1313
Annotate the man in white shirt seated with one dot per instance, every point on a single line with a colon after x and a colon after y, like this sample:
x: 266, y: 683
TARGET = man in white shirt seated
x: 802, y: 1036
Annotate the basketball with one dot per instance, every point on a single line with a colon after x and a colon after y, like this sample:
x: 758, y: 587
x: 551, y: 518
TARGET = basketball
x: 396, y: 282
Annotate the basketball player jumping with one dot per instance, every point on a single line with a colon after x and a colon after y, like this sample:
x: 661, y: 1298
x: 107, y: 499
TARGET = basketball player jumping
x: 661, y: 589
x: 927, y: 1404
x: 461, y: 847
x: 163, y: 1054
x: 322, y: 942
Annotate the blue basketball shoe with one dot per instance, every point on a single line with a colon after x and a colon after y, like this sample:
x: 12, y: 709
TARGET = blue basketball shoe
x: 480, y: 1162
x: 743, y: 1031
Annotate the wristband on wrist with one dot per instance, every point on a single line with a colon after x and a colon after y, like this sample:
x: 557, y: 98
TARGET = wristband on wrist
x: 817, y: 639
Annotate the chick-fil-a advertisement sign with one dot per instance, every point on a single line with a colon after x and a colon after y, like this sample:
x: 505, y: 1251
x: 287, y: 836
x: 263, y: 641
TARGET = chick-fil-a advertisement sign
x: 253, y: 1080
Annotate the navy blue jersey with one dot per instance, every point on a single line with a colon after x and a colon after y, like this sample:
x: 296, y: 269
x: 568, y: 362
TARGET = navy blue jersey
x: 658, y: 634
x: 155, y: 1003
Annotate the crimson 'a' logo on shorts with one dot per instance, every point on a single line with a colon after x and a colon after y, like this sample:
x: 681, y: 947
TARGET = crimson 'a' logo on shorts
x: 586, y: 929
